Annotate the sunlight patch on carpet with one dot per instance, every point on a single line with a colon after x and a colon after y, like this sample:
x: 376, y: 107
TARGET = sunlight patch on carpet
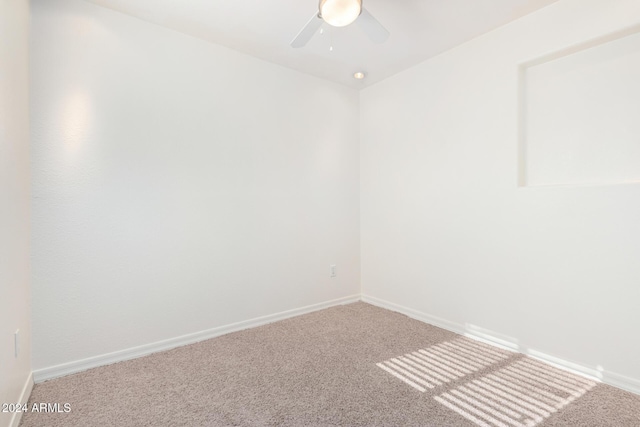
x: 522, y: 394
x: 442, y: 363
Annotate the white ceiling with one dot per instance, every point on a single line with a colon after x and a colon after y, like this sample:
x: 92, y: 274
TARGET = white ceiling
x: 263, y: 28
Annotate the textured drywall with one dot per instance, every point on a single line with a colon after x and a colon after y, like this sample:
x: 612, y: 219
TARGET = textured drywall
x: 178, y: 185
x: 579, y: 114
x: 14, y: 202
x: 447, y: 231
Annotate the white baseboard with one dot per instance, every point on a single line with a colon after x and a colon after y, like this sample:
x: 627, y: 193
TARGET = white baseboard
x: 415, y: 314
x: 607, y: 377
x: 621, y: 381
x: 40, y: 375
x: 45, y: 374
x: 24, y: 398
x: 568, y: 365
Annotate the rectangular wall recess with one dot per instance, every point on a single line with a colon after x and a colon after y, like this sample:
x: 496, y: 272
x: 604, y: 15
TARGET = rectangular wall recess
x: 579, y: 114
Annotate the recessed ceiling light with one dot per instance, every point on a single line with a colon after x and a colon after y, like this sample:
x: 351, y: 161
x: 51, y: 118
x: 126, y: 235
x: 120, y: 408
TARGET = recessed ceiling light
x: 359, y: 75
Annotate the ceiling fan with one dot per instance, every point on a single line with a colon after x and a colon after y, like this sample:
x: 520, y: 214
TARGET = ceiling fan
x: 340, y: 13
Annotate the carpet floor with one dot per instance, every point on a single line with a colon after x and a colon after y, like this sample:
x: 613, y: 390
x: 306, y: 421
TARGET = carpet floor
x: 352, y: 365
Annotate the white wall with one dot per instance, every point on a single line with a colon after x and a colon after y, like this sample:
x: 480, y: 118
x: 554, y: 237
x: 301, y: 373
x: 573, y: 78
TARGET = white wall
x: 178, y: 185
x: 447, y: 232
x: 580, y: 115
x: 14, y: 201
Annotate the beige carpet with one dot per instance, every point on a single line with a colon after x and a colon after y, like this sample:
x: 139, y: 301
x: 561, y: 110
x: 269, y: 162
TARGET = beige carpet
x: 353, y: 365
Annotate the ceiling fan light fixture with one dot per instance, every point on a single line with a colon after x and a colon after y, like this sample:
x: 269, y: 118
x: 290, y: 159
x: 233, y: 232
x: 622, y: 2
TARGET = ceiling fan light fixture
x: 340, y: 13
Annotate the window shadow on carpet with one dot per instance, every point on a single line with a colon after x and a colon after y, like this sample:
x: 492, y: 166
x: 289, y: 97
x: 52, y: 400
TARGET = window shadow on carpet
x: 487, y: 385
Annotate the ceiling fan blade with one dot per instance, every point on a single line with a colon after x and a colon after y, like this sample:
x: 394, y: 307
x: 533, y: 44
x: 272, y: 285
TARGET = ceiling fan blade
x: 307, y: 31
x: 371, y: 27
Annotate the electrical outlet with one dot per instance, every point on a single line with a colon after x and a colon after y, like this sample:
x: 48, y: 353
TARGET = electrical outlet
x: 332, y: 270
x: 16, y: 343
